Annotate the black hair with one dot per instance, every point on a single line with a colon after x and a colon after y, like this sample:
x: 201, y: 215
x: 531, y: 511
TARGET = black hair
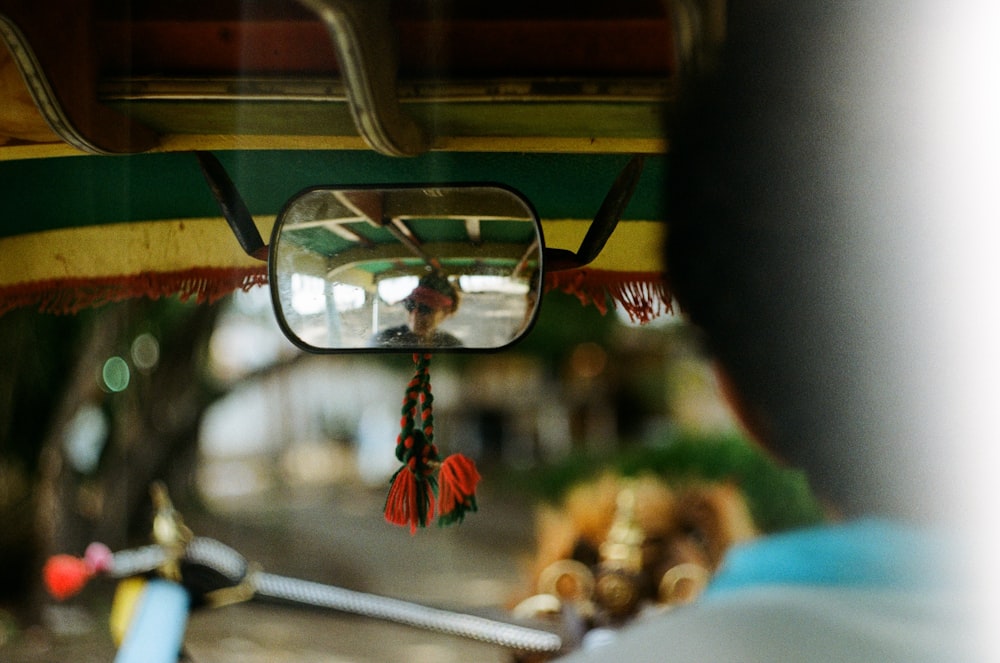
x: 762, y: 255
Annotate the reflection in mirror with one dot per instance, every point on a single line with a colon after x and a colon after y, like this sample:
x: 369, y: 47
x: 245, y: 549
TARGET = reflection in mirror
x: 410, y: 268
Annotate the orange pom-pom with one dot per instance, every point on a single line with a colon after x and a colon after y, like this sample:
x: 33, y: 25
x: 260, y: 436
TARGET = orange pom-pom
x: 457, y: 479
x: 65, y: 575
x: 410, y: 500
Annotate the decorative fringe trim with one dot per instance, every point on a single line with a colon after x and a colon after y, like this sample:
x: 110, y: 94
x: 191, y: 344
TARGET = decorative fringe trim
x: 643, y: 295
x: 68, y: 296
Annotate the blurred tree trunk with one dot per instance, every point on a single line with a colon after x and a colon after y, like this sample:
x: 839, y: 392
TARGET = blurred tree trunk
x: 151, y: 427
x: 37, y: 351
x: 154, y: 431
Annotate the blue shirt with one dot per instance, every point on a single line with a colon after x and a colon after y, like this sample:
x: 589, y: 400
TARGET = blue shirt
x: 870, y: 552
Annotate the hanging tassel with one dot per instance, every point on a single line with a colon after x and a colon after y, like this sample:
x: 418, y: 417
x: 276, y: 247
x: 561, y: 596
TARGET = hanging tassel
x: 413, y: 492
x: 458, y: 479
x: 413, y: 487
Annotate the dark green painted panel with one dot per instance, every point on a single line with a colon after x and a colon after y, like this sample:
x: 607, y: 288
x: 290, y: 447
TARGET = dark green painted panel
x: 42, y: 194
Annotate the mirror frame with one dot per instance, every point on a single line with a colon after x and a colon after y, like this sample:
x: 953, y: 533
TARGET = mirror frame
x: 295, y: 339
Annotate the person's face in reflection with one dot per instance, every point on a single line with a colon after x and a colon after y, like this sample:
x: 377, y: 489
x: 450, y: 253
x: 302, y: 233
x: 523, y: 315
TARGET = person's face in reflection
x: 424, y: 319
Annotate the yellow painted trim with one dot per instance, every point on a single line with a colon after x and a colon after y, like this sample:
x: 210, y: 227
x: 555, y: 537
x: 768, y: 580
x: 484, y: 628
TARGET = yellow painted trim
x: 189, y: 142
x: 121, y: 249
x: 635, y: 246
x: 582, y: 145
x: 181, y: 143
x: 37, y: 151
x: 530, y: 144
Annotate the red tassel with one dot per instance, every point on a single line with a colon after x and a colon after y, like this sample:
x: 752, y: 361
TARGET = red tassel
x: 410, y: 500
x: 66, y: 575
x: 414, y: 488
x: 458, y: 479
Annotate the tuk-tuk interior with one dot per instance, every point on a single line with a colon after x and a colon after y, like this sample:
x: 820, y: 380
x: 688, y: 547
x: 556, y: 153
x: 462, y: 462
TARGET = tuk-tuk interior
x: 518, y: 150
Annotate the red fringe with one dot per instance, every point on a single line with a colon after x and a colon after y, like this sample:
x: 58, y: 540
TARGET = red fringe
x: 68, y: 296
x: 643, y: 295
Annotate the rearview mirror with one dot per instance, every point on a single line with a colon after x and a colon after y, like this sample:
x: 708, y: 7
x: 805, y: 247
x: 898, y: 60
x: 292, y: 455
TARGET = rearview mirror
x: 406, y: 268
x: 409, y: 267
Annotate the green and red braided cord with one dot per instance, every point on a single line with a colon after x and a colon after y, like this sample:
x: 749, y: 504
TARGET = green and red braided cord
x: 414, y: 495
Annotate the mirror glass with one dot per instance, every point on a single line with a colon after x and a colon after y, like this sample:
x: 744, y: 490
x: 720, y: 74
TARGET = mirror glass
x: 407, y: 268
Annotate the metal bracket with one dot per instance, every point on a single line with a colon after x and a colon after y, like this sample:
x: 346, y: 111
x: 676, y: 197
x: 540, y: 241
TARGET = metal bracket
x: 604, y: 223
x: 53, y: 46
x: 233, y: 208
x: 360, y: 31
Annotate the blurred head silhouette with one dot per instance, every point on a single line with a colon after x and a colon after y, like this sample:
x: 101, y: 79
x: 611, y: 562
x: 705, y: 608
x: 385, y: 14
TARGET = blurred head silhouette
x: 791, y: 246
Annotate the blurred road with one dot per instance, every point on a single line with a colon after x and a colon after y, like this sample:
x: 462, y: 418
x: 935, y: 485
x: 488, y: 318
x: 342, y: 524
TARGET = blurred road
x: 334, y: 535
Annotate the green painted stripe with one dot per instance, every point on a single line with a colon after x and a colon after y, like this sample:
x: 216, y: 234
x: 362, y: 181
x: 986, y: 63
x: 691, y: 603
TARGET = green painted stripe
x: 46, y: 194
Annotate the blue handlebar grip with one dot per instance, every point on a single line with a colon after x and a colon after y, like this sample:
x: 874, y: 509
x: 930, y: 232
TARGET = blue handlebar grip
x: 156, y: 634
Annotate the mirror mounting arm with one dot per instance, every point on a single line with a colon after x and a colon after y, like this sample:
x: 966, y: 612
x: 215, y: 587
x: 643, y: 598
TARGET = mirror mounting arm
x: 232, y: 206
x: 559, y: 260
x: 604, y: 222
